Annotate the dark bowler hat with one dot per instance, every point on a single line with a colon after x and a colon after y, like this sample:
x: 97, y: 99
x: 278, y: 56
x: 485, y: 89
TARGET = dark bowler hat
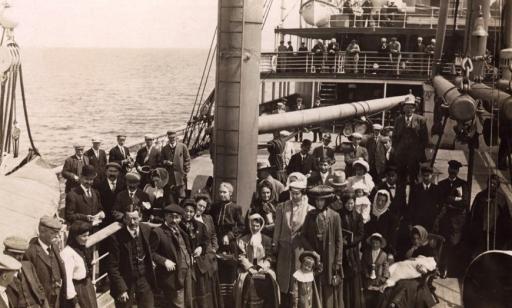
x: 324, y: 159
x: 306, y: 143
x: 190, y: 202
x: 16, y: 244
x: 174, y: 208
x: 113, y: 165
x: 454, y: 164
x: 391, y: 168
x: 426, y: 169
x: 88, y: 171
x: 322, y: 192
x: 50, y: 222
x: 171, y: 133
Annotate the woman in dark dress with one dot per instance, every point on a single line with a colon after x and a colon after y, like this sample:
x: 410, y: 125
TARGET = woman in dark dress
x: 420, y: 244
x: 265, y: 206
x: 383, y: 221
x: 353, y: 233
x: 159, y: 193
x: 203, y: 286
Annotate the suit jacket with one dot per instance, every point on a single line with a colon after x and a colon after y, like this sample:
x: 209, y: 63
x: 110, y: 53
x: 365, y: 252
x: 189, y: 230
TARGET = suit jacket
x: 371, y: 148
x: 447, y: 189
x: 107, y: 196
x: 120, y: 265
x: 181, y: 161
x: 153, y: 159
x: 78, y: 206
x: 424, y: 205
x: 31, y: 292
x: 164, y: 246
x: 123, y: 200
x: 97, y: 162
x: 115, y: 155
x: 318, y: 153
x: 316, y: 179
x: 71, y: 169
x: 296, y: 164
x: 352, y: 156
x: 43, y: 268
x: 405, y: 144
x: 228, y: 219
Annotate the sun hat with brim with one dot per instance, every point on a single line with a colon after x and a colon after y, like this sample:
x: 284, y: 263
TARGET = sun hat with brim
x: 174, y: 208
x: 363, y: 163
x: 309, y: 253
x: 321, y: 192
x: 377, y: 236
x: 339, y: 179
x: 8, y: 263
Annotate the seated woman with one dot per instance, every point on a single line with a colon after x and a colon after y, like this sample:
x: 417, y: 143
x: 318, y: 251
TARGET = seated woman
x: 375, y: 268
x: 265, y: 206
x: 256, y: 282
x: 413, y: 292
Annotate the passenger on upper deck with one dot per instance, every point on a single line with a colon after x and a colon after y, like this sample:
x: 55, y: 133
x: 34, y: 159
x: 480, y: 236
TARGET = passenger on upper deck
x: 383, y: 55
x: 302, y: 56
x: 72, y: 168
x: 332, y: 51
x: 83, y: 202
x: 389, y: 13
x: 353, y: 51
x: 430, y: 49
x: 395, y: 55
x: 367, y: 7
x: 281, y: 57
x: 318, y: 56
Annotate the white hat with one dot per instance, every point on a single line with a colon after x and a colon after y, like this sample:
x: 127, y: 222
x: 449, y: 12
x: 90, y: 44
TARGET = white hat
x: 433, y: 40
x: 356, y: 135
x: 96, y: 140
x: 8, y: 263
x: 377, y: 126
x: 284, y: 133
x: 300, y: 183
x: 363, y: 163
x: 149, y: 137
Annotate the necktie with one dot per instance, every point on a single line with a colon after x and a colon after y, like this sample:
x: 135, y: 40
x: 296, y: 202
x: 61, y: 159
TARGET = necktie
x: 131, y: 194
x: 135, y: 234
x: 122, y: 151
x: 49, y: 250
x: 88, y: 193
x: 113, y: 183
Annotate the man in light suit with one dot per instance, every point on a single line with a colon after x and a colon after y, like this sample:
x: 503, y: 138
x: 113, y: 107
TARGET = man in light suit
x: 120, y: 154
x: 83, y: 202
x: 97, y: 158
x: 410, y: 138
x: 72, y: 168
x: 8, y: 269
x: 176, y: 159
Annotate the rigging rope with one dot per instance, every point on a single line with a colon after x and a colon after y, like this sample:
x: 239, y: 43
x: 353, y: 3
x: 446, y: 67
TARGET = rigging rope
x: 22, y: 88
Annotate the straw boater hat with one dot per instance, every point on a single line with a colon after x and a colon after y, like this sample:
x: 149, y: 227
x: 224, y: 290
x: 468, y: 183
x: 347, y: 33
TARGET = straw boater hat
x: 361, y: 162
x: 339, y: 179
x: 321, y: 192
x: 377, y: 236
x: 284, y: 133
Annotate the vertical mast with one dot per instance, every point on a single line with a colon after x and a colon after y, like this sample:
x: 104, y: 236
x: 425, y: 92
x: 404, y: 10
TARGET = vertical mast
x: 237, y: 84
x: 477, y: 35
x: 440, y: 37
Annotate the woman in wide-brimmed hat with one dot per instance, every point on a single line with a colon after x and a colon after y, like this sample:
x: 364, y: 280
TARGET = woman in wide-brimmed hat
x: 361, y: 169
x: 290, y: 216
x: 324, y: 235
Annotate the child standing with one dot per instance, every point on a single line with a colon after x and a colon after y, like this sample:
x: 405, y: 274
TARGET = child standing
x: 363, y: 203
x: 376, y: 268
x: 304, y: 290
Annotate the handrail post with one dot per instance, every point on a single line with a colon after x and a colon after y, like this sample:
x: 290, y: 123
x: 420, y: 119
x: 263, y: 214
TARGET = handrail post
x: 431, y: 17
x: 364, y: 67
x: 378, y: 19
x: 405, y: 18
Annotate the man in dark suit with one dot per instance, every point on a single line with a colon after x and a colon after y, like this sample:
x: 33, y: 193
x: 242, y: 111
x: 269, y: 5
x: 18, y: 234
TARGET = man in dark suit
x: 323, y: 175
x: 356, y: 152
x: 410, y: 138
x: 176, y: 160
x: 397, y: 192
x: 26, y: 290
x: 131, y: 196
x: 108, y: 189
x: 120, y: 154
x: 8, y: 269
x: 172, y: 255
x: 371, y: 147
x: 325, y: 150
x: 148, y: 158
x: 97, y: 158
x: 83, y: 202
x: 423, y: 201
x: 43, y: 252
x: 130, y: 264
x: 302, y: 162
x: 73, y: 167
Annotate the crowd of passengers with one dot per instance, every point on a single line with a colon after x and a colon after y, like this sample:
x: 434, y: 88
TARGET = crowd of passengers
x: 364, y: 232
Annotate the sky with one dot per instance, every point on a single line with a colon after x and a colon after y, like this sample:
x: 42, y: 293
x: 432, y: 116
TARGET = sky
x: 127, y: 23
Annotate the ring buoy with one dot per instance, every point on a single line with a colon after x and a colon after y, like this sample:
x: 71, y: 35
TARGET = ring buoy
x: 273, y: 63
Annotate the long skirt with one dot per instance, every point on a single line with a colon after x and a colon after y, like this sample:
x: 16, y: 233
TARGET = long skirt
x: 331, y: 296
x: 206, y: 290
x: 256, y: 291
x: 353, y: 296
x: 85, y: 293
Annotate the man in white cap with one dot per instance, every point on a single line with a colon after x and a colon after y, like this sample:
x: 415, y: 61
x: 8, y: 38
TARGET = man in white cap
x: 357, y: 152
x: 410, y: 139
x: 8, y: 269
x: 371, y: 147
x: 97, y: 158
x: 73, y: 165
x: 147, y: 159
x: 430, y: 49
x: 120, y: 154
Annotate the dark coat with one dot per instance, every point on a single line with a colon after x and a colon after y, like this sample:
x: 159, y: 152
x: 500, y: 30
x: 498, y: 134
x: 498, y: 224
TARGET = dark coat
x: 398, y: 201
x: 164, y: 245
x: 181, y: 162
x: 72, y: 167
x: 318, y: 153
x: 107, y: 196
x: 153, y: 160
x: 123, y: 200
x: 115, y: 156
x: 31, y: 293
x: 371, y: 148
x: 296, y: 164
x: 98, y: 163
x: 406, y: 145
x: 231, y: 223
x: 447, y: 189
x: 316, y: 179
x: 423, y: 205
x: 120, y: 265
x: 213, y: 245
x: 381, y: 268
x: 43, y: 268
x: 78, y: 206
x: 198, y: 237
x: 387, y: 225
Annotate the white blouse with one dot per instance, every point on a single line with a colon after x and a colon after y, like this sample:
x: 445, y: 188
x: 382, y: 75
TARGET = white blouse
x: 75, y: 269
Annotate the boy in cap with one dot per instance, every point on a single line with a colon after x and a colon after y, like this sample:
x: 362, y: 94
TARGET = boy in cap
x: 83, y: 202
x: 424, y: 200
x: 120, y: 154
x: 97, y: 158
x: 43, y: 251
x: 8, y: 269
x: 172, y: 255
x: 26, y: 290
x: 72, y: 168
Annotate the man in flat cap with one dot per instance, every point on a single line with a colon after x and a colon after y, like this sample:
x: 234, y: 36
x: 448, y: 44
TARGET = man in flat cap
x: 97, y: 158
x: 43, y: 252
x: 147, y: 159
x: 83, y: 202
x: 72, y: 168
x: 410, y: 139
x: 454, y: 201
x: 176, y: 160
x: 120, y: 154
x: 131, y: 197
x: 172, y: 255
x: 325, y: 150
x: 109, y: 187
x: 130, y: 263
x: 357, y: 151
x: 26, y: 290
x: 8, y: 269
x: 424, y: 200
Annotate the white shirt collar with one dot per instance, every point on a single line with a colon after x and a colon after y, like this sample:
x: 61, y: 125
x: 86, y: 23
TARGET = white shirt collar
x: 43, y: 245
x: 173, y: 145
x: 85, y: 189
x: 133, y: 232
x: 426, y: 186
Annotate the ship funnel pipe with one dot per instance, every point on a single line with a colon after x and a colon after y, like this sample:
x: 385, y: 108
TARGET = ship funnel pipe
x: 304, y: 118
x: 461, y: 107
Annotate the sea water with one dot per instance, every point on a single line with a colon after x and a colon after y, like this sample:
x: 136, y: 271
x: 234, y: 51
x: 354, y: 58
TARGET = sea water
x: 74, y: 95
